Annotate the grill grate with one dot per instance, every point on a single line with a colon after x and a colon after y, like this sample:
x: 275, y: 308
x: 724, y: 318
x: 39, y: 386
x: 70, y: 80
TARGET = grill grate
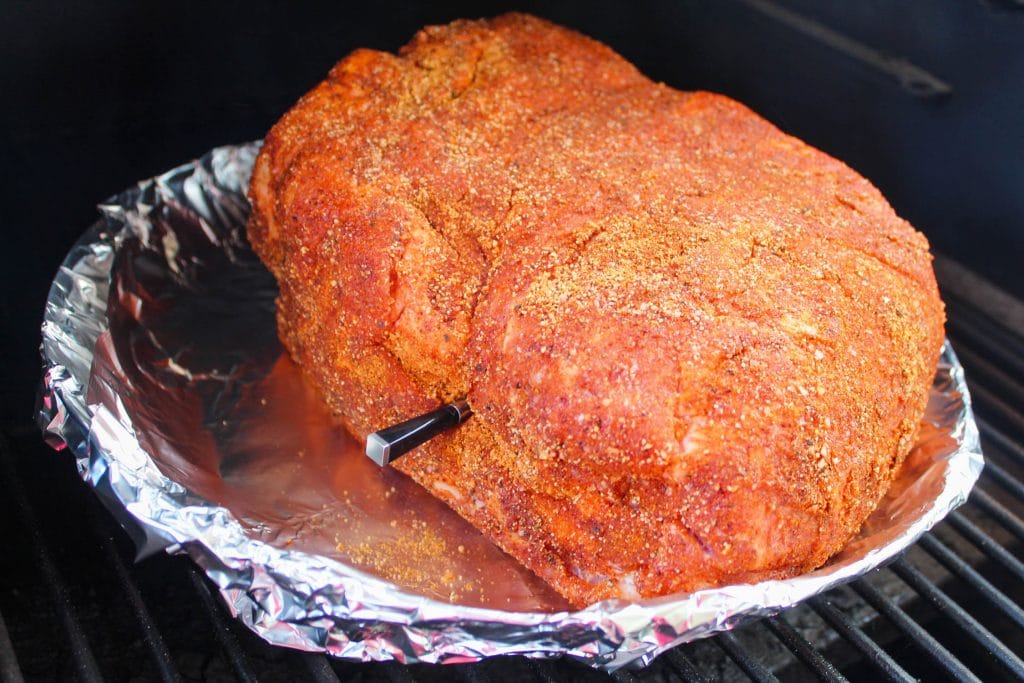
x: 856, y: 637
x: 952, y: 607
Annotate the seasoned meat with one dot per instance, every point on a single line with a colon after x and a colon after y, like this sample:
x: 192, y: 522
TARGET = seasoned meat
x: 697, y: 349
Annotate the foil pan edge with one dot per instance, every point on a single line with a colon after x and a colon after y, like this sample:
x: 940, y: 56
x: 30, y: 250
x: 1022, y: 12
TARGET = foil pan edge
x: 316, y: 604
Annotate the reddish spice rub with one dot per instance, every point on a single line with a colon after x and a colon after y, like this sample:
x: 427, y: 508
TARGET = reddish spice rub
x: 698, y: 349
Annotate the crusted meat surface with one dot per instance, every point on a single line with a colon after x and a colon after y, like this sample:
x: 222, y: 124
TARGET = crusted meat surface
x: 697, y: 349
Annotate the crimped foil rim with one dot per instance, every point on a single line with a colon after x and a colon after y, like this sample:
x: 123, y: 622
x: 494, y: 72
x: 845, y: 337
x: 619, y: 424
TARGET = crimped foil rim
x: 314, y: 603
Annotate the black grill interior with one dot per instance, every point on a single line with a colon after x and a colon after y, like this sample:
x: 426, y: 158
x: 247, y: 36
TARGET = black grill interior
x: 922, y: 98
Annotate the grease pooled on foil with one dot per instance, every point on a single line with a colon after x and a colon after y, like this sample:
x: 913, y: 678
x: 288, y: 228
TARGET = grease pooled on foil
x: 165, y: 378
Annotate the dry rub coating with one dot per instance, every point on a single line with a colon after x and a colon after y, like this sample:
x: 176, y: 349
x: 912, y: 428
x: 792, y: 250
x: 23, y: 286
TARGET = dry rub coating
x: 698, y: 349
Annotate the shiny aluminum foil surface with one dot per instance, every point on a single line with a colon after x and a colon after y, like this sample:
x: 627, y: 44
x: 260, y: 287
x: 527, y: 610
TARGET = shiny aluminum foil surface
x: 165, y: 378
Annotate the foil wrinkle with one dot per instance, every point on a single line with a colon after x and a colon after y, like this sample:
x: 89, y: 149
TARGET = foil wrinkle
x: 163, y: 376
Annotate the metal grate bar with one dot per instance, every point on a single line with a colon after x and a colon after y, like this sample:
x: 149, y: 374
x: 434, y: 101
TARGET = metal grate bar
x: 1003, y: 478
x: 910, y: 77
x: 150, y: 633
x: 856, y: 637
x: 750, y: 666
x: 10, y: 671
x: 986, y: 502
x: 968, y: 574
x: 973, y: 310
x: 993, y: 404
x: 1003, y: 442
x: 221, y: 628
x: 985, y: 352
x: 683, y: 665
x: 319, y: 668
x: 986, y: 544
x: 821, y: 667
x: 85, y: 661
x: 998, y: 385
x: 992, y: 339
x: 914, y: 631
x: 945, y: 605
x: 991, y: 372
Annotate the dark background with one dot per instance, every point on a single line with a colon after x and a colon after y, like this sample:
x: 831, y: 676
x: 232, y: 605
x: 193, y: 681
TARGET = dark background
x: 99, y: 95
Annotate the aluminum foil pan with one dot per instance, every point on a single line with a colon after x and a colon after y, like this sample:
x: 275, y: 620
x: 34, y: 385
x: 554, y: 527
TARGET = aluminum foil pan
x: 165, y: 378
